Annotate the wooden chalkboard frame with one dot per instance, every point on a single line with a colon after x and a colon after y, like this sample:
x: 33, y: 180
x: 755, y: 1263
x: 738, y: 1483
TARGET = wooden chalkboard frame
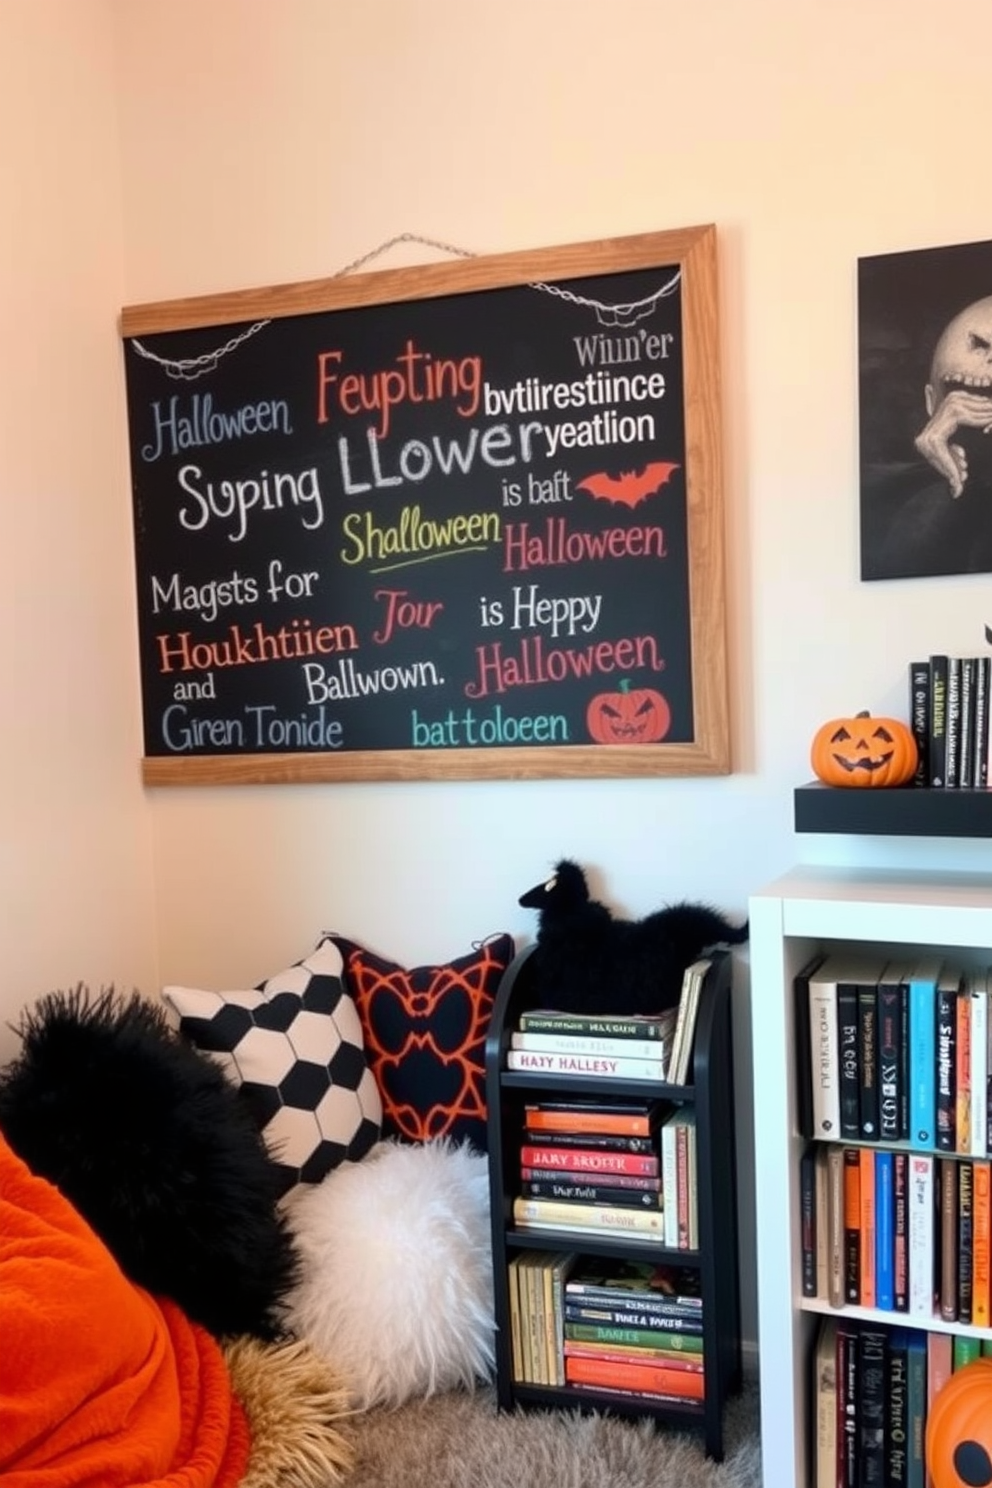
x: 693, y: 251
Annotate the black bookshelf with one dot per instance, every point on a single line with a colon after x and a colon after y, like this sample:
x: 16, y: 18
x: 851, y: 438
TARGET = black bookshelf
x: 712, y: 1094
x: 894, y: 811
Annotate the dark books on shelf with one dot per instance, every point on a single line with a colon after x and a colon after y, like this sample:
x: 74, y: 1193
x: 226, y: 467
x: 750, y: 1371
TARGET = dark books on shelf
x: 949, y: 718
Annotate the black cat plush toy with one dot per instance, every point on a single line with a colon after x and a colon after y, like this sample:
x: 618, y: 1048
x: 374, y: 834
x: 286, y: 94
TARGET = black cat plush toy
x: 588, y: 961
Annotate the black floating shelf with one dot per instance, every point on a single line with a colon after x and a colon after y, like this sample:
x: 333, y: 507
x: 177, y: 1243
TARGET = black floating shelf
x: 902, y: 811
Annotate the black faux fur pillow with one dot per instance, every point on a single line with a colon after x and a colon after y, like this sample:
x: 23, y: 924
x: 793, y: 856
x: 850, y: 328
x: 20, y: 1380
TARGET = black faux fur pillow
x: 150, y: 1143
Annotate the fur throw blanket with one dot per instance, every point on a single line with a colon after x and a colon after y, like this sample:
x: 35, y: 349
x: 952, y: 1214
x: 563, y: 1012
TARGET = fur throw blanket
x: 101, y: 1385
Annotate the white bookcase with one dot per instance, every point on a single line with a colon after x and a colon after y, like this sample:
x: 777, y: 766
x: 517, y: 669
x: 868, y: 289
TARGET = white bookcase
x: 806, y: 910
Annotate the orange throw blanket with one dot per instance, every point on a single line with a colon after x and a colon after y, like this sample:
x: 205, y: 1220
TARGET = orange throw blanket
x: 101, y: 1384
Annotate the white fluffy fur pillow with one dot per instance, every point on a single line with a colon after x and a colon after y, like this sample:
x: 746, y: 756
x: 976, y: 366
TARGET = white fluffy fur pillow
x: 396, y: 1279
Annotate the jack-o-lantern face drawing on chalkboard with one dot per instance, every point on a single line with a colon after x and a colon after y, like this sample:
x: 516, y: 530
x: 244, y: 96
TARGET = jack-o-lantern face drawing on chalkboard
x: 637, y: 715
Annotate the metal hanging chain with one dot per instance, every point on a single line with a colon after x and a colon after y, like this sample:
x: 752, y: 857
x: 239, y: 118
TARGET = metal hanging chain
x: 188, y: 369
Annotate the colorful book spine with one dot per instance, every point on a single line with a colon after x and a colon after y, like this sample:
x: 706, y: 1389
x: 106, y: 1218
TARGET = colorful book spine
x: 981, y: 1240
x: 979, y: 1061
x: 962, y: 1070
x: 900, y: 1230
x: 923, y: 1051
x: 639, y: 1183
x: 621, y: 1119
x: 649, y: 1379
x: 682, y: 1343
x: 866, y: 1227
x: 588, y: 1160
x: 965, y: 1240
x: 852, y: 1225
x: 884, y: 1233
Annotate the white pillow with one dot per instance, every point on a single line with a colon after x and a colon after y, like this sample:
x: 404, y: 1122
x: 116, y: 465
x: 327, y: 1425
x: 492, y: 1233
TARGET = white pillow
x: 396, y: 1277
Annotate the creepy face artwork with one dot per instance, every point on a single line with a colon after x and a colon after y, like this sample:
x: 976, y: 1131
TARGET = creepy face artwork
x: 925, y: 406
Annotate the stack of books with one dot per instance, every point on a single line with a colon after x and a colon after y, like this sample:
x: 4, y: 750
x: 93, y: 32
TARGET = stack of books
x: 633, y: 1328
x: 621, y: 1047
x: 949, y: 716
x: 592, y: 1166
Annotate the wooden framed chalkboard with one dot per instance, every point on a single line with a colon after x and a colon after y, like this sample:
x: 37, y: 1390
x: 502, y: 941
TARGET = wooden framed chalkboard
x: 459, y: 520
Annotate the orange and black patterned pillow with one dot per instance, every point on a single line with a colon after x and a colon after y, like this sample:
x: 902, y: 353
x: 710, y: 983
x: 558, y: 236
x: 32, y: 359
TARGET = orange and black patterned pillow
x: 425, y: 1037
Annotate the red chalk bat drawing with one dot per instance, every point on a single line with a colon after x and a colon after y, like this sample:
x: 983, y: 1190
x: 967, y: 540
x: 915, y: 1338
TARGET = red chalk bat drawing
x: 630, y: 488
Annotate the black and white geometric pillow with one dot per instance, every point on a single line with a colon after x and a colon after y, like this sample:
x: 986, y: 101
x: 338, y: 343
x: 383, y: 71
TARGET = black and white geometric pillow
x: 294, y: 1048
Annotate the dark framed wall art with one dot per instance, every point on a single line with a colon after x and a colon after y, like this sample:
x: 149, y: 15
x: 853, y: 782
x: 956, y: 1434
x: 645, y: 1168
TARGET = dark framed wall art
x: 925, y: 411
x: 456, y: 520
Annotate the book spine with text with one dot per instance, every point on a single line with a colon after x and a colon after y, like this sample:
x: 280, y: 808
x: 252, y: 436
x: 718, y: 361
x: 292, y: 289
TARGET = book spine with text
x: 603, y: 1066
x: 588, y: 1160
x: 965, y: 1238
x: 825, y: 1056
x: 892, y: 1081
x: 850, y: 1078
x: 900, y: 1231
x: 852, y: 1225
x: 596, y: 1025
x: 557, y: 1214
x: 979, y: 1061
x: 952, y: 725
x: 966, y: 772
x: 919, y: 718
x: 981, y: 1220
x: 617, y: 1119
x: 643, y: 1183
x: 937, y: 745
x: 947, y: 994
x: 868, y: 1093
x: 983, y: 680
x: 923, y: 1052
x: 603, y: 1140
x: 657, y: 1051
x: 920, y: 1234
x: 652, y: 1379
x: 683, y: 1343
x: 884, y: 1233
x: 591, y: 1193
x: 582, y: 1310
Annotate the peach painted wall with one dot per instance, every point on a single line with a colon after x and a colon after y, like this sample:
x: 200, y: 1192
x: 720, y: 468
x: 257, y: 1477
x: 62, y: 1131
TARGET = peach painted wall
x: 75, y: 846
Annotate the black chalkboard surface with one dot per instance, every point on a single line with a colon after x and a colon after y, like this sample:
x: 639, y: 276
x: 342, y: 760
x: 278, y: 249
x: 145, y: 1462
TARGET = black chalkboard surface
x: 453, y: 520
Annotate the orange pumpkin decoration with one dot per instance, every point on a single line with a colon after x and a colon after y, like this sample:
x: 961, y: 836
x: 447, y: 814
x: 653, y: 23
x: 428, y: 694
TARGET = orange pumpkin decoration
x: 959, y: 1429
x: 636, y: 715
x: 863, y: 751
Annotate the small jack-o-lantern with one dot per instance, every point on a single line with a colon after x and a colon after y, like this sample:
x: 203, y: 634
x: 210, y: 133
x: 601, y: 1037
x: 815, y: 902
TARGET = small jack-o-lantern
x: 637, y: 715
x: 862, y: 750
x: 959, y: 1429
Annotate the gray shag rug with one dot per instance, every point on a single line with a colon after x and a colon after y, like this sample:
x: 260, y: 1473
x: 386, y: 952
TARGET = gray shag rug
x: 460, y: 1440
